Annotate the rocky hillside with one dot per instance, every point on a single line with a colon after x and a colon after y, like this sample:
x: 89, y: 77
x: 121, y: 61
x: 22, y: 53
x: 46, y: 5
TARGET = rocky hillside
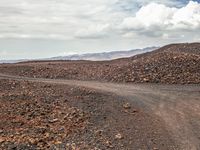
x: 171, y: 64
x: 177, y: 63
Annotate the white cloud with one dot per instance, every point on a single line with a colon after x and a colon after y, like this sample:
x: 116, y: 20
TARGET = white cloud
x: 93, y: 31
x: 92, y: 25
x: 56, y: 17
x: 149, y: 16
x: 158, y: 17
x: 66, y: 19
x: 187, y: 17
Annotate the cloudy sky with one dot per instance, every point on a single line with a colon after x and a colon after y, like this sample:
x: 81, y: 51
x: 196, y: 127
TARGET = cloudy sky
x: 45, y: 28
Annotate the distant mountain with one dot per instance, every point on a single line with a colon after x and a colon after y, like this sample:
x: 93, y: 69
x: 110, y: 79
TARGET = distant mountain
x: 13, y: 61
x: 93, y: 56
x: 105, y: 55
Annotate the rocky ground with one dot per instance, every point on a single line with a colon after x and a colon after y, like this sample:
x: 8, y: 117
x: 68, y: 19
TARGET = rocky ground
x: 69, y: 115
x: 48, y: 116
x: 172, y: 64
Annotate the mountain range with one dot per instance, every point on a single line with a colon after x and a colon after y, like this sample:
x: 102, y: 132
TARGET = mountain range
x: 93, y: 56
x: 105, y: 55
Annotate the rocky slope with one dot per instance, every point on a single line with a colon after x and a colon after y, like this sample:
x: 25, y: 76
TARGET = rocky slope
x: 172, y: 64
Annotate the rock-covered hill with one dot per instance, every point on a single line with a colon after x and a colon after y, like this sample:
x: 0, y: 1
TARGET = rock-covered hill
x: 171, y: 64
x: 177, y: 63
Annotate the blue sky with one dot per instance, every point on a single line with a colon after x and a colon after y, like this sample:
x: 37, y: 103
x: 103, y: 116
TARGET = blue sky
x: 39, y: 29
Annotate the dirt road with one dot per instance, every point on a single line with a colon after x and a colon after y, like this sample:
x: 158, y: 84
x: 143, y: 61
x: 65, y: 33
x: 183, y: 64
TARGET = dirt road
x: 177, y: 105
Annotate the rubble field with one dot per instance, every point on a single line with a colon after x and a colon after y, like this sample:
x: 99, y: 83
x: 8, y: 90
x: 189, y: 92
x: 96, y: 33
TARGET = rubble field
x: 40, y: 114
x: 47, y: 116
x: 171, y: 64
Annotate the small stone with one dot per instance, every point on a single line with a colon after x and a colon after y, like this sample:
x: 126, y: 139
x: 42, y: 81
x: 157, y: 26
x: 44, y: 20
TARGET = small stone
x: 99, y: 132
x: 2, y: 140
x: 146, y: 80
x: 109, y: 144
x: 32, y: 141
x: 127, y: 106
x: 118, y: 136
x: 134, y: 111
x: 1, y: 131
x: 57, y: 142
x: 53, y: 120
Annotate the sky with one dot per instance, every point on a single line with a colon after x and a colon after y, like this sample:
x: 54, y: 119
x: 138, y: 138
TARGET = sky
x: 47, y: 28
